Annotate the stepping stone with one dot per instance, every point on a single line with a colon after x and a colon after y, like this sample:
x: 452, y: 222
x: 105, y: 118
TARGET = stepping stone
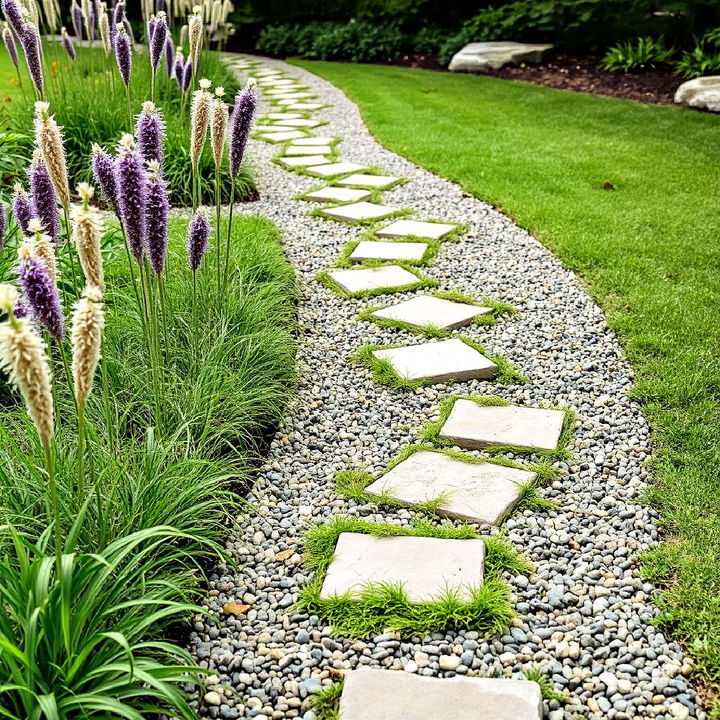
x: 472, y: 425
x: 428, y: 311
x: 359, y: 211
x: 336, y: 194
x: 310, y: 150
x: 438, y: 361
x: 389, y: 276
x: 280, y: 91
x: 303, y: 122
x: 425, y: 566
x: 305, y: 106
x: 282, y: 126
x: 337, y: 168
x: 317, y: 140
x: 278, y: 137
x: 371, y: 694
x: 483, y: 493
x: 400, y: 228
x: 281, y: 116
x: 292, y: 162
x: 289, y: 100
x: 373, y: 181
x: 369, y: 250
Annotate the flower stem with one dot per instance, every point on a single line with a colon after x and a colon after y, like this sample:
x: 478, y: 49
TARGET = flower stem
x: 52, y: 486
x: 229, y: 233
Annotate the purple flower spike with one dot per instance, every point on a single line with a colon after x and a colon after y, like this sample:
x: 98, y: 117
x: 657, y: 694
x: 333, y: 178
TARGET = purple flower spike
x: 123, y: 54
x: 22, y: 208
x: 96, y: 16
x: 198, y: 236
x: 3, y: 226
x: 10, y: 46
x: 150, y: 133
x: 44, y: 199
x: 11, y: 11
x: 169, y: 56
x: 151, y: 24
x: 92, y: 24
x: 77, y: 20
x: 157, y: 42
x: 117, y: 17
x: 21, y: 308
x: 159, y: 6
x: 103, y: 166
x: 240, y: 124
x: 68, y: 44
x: 179, y: 65
x: 33, y: 57
x: 128, y: 30
x: 156, y: 212
x: 41, y: 294
x: 187, y: 76
x: 131, y: 182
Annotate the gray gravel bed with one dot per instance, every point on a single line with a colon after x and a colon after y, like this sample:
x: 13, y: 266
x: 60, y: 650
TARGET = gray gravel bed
x: 586, y: 617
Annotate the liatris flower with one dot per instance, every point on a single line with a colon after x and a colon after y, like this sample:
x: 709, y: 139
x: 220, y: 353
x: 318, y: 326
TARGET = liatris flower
x: 198, y: 236
x: 187, y: 76
x: 88, y: 322
x: 91, y: 25
x: 218, y: 126
x: 42, y: 247
x: 103, y: 166
x: 157, y: 41
x: 195, y: 38
x: 199, y: 121
x: 77, y: 20
x: 44, y: 197
x: 240, y: 124
x: 151, y: 23
x: 128, y: 30
x: 150, y: 133
x: 41, y: 292
x: 3, y: 226
x: 32, y: 47
x: 21, y: 208
x: 131, y: 193
x: 87, y: 232
x: 10, y: 46
x: 21, y: 308
x: 49, y: 140
x: 104, y: 30
x: 179, y: 64
x: 118, y: 16
x: 156, y: 211
x: 86, y: 16
x: 22, y: 356
x: 169, y: 56
x: 68, y: 45
x: 11, y: 11
x: 123, y: 54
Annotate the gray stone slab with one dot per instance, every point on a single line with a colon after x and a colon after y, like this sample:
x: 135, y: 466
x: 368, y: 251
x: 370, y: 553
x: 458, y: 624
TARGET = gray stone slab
x: 292, y: 162
x: 338, y: 168
x: 424, y: 566
x: 281, y: 116
x: 370, y: 250
x: 359, y: 211
x: 483, y: 56
x: 317, y: 140
x: 371, y: 181
x: 278, y: 137
x: 303, y: 122
x: 484, y: 493
x: 277, y: 127
x: 372, y: 694
x: 290, y: 100
x: 290, y: 95
x: 438, y: 361
x: 305, y: 106
x: 337, y: 194
x: 702, y: 93
x: 308, y: 150
x: 472, y: 425
x: 418, y: 228
x: 388, y: 276
x: 280, y: 92
x: 429, y: 311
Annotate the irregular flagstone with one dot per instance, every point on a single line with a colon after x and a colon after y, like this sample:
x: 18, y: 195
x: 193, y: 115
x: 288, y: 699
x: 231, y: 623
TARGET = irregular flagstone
x: 303, y: 161
x: 337, y: 194
x: 373, y: 181
x: 418, y: 228
x: 473, y: 425
x: 438, y: 361
x: 338, y: 168
x: 484, y: 492
x: 371, y: 694
x: 317, y: 140
x: 370, y: 250
x: 309, y: 150
x: 359, y: 211
x: 429, y: 311
x: 425, y: 566
x: 388, y: 276
x: 278, y: 137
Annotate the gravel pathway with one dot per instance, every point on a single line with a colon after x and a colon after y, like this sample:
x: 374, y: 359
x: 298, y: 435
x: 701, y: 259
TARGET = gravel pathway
x: 586, y: 617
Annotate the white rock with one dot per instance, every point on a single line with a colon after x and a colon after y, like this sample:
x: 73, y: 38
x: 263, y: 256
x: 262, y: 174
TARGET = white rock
x: 477, y: 57
x: 702, y: 93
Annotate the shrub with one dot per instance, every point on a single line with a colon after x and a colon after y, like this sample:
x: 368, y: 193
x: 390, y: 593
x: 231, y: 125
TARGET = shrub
x: 703, y: 59
x: 641, y: 54
x: 429, y: 39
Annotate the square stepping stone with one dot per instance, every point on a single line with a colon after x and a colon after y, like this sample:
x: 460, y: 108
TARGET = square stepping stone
x: 317, y: 140
x: 290, y: 100
x: 372, y: 181
x: 372, y: 694
x: 388, y: 276
x: 434, y: 231
x: 424, y: 566
x: 338, y: 168
x: 305, y: 106
x: 438, y: 361
x: 283, y: 90
x: 359, y: 211
x: 277, y: 127
x: 303, y: 122
x: 281, y: 116
x: 303, y: 161
x: 429, y: 311
x: 369, y: 250
x: 472, y: 425
x: 309, y: 150
x: 278, y: 137
x: 337, y: 194
x: 484, y: 493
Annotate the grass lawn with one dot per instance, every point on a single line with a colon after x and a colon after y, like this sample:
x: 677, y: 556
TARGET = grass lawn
x: 647, y: 249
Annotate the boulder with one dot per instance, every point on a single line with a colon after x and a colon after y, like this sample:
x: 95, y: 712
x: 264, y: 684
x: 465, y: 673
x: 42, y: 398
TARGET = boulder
x: 482, y: 56
x: 702, y: 93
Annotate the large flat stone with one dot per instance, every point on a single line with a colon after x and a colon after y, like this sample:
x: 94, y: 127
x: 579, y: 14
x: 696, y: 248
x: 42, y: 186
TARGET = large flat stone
x: 276, y: 127
x: 317, y: 140
x: 291, y: 96
x: 472, y: 425
x: 333, y: 169
x: 371, y: 694
x: 282, y: 92
x: 287, y: 101
x: 388, y: 276
x: 359, y: 211
x: 482, y: 56
x: 371, y: 181
x: 305, y: 106
x: 477, y: 492
x: 431, y: 230
x: 429, y: 311
x: 308, y: 150
x: 369, y: 250
x: 337, y: 194
x: 278, y: 137
x: 292, y: 162
x: 282, y: 116
x: 702, y: 93
x: 438, y: 361
x: 424, y: 566
x: 303, y: 122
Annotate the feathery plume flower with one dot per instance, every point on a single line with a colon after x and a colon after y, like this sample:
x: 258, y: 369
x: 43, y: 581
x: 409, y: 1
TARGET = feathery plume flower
x: 42, y: 246
x: 169, y: 56
x: 49, y: 139
x: 3, y: 225
x: 183, y: 36
x: 103, y: 166
x: 150, y: 133
x: 157, y: 41
x: 88, y: 322
x: 9, y: 297
x: 10, y: 46
x: 91, y: 23
x: 187, y: 76
x: 40, y: 291
x: 32, y: 47
x: 128, y: 30
x: 22, y: 356
x: 96, y: 12
x: 199, y: 121
x: 179, y: 64
x: 151, y: 23
x: 21, y: 207
x: 131, y: 182
x: 240, y: 124
x: 44, y: 197
x: 195, y: 38
x: 227, y: 9
x: 198, y: 236
x: 118, y: 15
x: 11, y: 12
x: 77, y: 20
x: 215, y: 15
x: 218, y: 126
x: 21, y: 308
x: 157, y: 211
x: 87, y: 227
x: 123, y: 53
x: 68, y: 45
x: 51, y: 15
x: 104, y: 30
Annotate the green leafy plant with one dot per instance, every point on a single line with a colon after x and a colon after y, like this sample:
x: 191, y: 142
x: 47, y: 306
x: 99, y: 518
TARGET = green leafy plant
x: 645, y: 53
x: 703, y: 59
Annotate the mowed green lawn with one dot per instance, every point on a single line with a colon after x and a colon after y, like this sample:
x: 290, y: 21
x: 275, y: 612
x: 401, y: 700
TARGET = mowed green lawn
x: 649, y: 251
